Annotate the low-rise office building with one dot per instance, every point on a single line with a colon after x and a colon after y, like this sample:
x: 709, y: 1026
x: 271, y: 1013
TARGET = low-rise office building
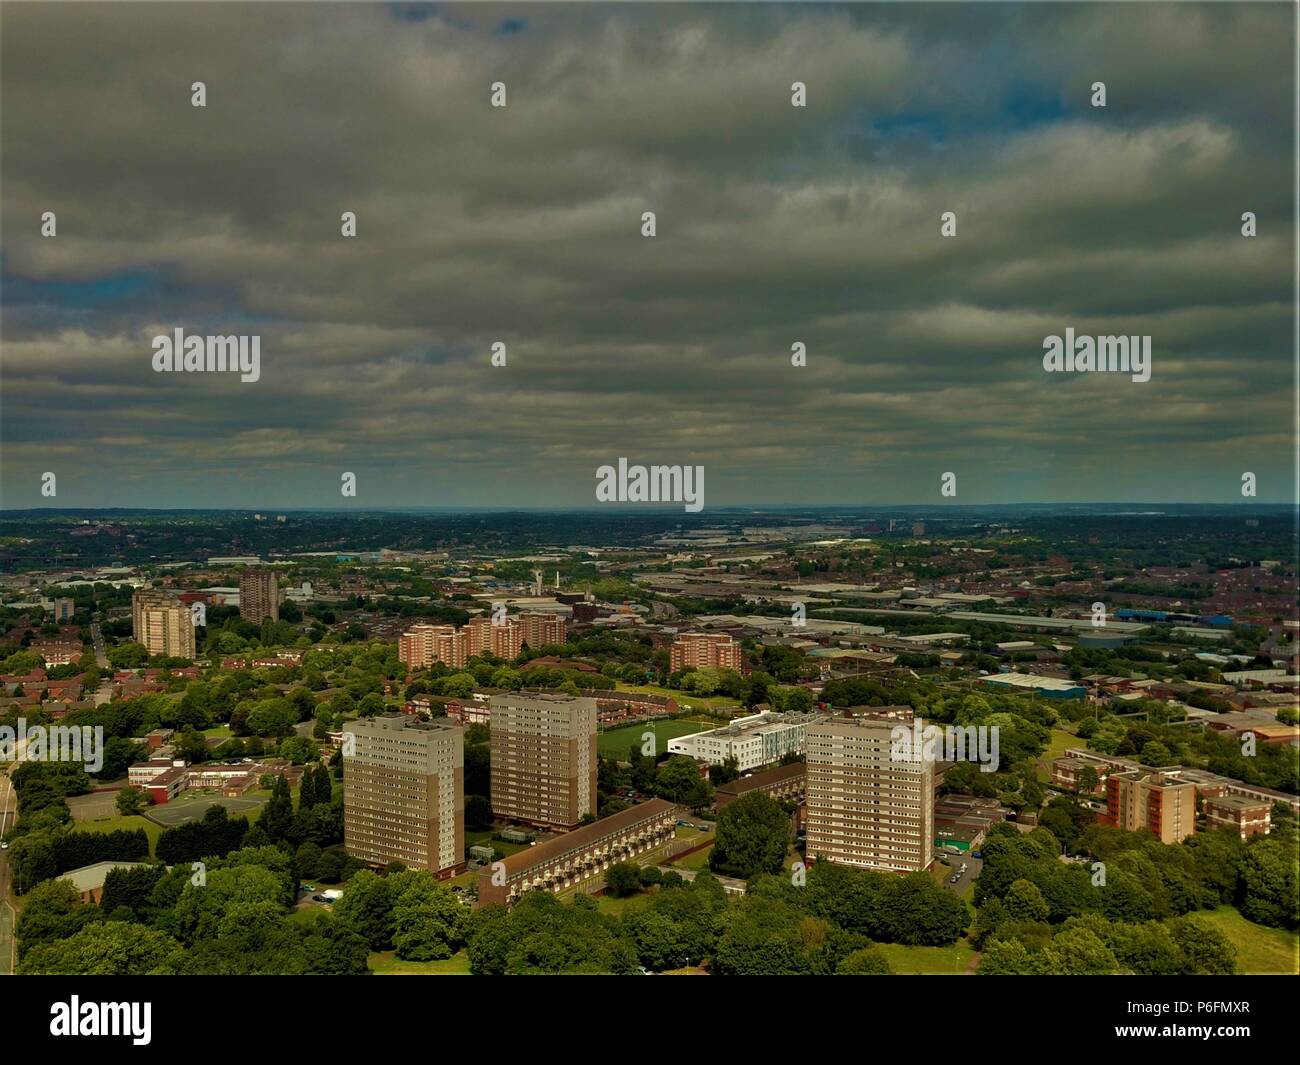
x: 1246, y: 817
x: 88, y: 881
x: 754, y: 741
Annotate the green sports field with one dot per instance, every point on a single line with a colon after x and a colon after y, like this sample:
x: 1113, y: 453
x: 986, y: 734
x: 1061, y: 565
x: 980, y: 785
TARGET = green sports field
x: 614, y: 743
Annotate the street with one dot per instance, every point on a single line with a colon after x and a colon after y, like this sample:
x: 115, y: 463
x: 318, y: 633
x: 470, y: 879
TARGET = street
x: 97, y: 637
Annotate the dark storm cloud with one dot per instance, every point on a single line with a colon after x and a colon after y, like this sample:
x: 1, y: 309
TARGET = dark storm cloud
x: 775, y: 225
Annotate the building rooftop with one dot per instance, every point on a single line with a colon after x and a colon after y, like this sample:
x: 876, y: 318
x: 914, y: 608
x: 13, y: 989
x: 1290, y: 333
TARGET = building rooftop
x: 767, y: 778
x: 1031, y: 680
x: 1237, y: 802
x: 585, y: 835
x: 92, y: 877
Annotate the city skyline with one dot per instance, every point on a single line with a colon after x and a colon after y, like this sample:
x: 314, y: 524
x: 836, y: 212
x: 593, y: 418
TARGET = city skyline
x: 776, y: 225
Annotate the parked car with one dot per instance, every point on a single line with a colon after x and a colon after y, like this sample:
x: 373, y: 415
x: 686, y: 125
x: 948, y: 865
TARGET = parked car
x: 318, y: 898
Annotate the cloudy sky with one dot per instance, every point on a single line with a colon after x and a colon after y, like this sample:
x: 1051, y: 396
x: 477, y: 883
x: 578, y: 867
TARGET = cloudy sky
x: 775, y: 225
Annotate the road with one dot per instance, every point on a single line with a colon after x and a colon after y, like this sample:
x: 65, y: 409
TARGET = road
x: 97, y: 638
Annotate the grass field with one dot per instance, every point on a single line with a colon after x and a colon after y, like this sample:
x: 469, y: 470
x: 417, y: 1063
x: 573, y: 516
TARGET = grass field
x: 615, y: 743
x: 1056, y: 747
x: 697, y: 862
x: 928, y: 961
x: 474, y: 839
x: 1260, y: 950
x: 6, y: 940
x: 699, y: 702
x: 615, y: 907
x: 389, y: 964
x: 112, y: 824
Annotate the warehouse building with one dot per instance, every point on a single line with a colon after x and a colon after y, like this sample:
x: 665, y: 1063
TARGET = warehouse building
x: 1048, y: 687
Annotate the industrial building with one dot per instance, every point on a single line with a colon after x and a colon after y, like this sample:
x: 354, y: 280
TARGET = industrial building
x: 1048, y: 687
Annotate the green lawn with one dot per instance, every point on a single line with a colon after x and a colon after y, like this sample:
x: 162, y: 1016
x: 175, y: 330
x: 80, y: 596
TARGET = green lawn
x: 928, y: 961
x: 1056, y: 747
x: 1260, y: 950
x: 698, y: 702
x: 6, y: 940
x: 112, y: 824
x: 697, y: 861
x: 474, y: 839
x: 615, y: 743
x: 389, y: 964
x: 615, y: 907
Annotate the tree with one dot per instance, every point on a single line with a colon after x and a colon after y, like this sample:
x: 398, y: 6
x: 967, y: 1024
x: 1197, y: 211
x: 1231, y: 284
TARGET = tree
x: 753, y: 836
x: 678, y: 780
x: 622, y: 879
x: 1205, y: 951
x: 277, y: 814
x: 725, y: 772
x: 115, y: 948
x: 1270, y: 884
x: 53, y: 911
x: 429, y: 922
x: 367, y: 908
x: 130, y: 890
x: 306, y: 860
x: 128, y: 656
x: 190, y: 746
x: 130, y: 801
x: 1024, y: 902
x: 865, y: 961
x: 478, y: 813
x: 1007, y: 958
x: 1077, y: 952
x: 659, y: 940
x: 201, y: 910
